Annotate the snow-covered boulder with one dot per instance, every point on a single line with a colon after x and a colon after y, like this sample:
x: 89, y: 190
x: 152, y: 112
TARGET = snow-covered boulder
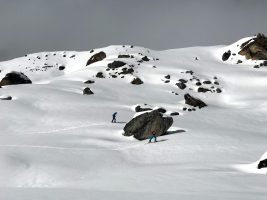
x: 142, y: 125
x: 14, y: 78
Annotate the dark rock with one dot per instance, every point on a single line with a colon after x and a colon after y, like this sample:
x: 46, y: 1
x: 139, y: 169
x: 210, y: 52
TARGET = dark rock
x: 182, y: 81
x: 14, y: 78
x: 226, y: 55
x: 6, y: 98
x: 126, y: 70
x: 92, y: 51
x: 262, y: 164
x: 239, y: 61
x: 184, y: 109
x: 192, y: 101
x: 167, y: 76
x: 113, y: 76
x: 162, y: 110
x: 87, y: 91
x: 142, y: 126
x: 140, y: 109
x: 145, y: 58
x: 100, y: 75
x: 255, y: 48
x: 61, y: 67
x: 216, y: 83
x: 207, y: 82
x: 137, y: 81
x: 174, y: 113
x: 198, y: 84
x: 123, y: 56
x: 116, y: 64
x: 89, y: 82
x: 167, y: 81
x: 181, y: 85
x: 264, y: 63
x: 190, y: 72
x: 96, y: 57
x: 73, y: 56
x: 201, y: 89
x: 256, y: 66
x: 218, y: 90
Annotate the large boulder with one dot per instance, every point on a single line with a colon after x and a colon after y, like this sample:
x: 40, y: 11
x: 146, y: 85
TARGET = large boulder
x: 142, y: 125
x: 192, y: 101
x: 116, y: 64
x: 96, y: 57
x: 14, y: 78
x: 255, y: 48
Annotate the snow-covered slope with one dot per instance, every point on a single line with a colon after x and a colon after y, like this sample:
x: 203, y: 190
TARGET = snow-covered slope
x: 57, y: 143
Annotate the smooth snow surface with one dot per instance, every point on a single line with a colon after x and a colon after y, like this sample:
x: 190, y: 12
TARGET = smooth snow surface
x: 57, y: 143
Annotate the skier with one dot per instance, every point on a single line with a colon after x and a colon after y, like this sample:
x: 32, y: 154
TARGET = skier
x: 114, y: 117
x: 153, y: 135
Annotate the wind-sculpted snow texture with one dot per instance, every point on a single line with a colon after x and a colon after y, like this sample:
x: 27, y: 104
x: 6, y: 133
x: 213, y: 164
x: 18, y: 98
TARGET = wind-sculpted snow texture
x: 56, y: 143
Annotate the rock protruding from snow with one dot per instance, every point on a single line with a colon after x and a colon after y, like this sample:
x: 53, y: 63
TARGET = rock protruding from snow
x: 142, y: 126
x: 226, y: 55
x: 6, y: 98
x: 15, y: 78
x: 262, y: 164
x: 140, y: 109
x: 137, y: 81
x: 255, y: 48
x: 97, y: 57
x: 116, y: 64
x: 87, y: 91
x: 192, y: 101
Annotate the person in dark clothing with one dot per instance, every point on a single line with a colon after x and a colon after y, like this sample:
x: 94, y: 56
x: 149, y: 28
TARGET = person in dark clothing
x: 153, y: 135
x: 114, y: 117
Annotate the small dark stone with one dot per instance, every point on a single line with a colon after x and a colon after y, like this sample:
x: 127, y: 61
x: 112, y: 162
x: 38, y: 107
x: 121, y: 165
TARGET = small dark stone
x: 6, y: 98
x: 87, y: 91
x: 145, y: 58
x: 137, y: 81
x: 201, y: 89
x: 123, y: 56
x: 116, y: 64
x: 190, y: 72
x: 226, y: 55
x: 256, y: 66
x: 192, y: 101
x: 64, y: 56
x: 167, y: 81
x: 216, y: 83
x: 198, y: 84
x: 239, y: 61
x: 262, y: 164
x: 264, y: 63
x: 92, y: 51
x: 189, y: 109
x: 181, y: 85
x: 61, y: 67
x: 72, y: 56
x: 162, y: 110
x: 131, y: 46
x: 174, y: 114
x: 167, y: 76
x: 207, y: 82
x: 113, y: 76
x: 89, y: 82
x: 100, y: 75
x: 140, y: 109
x: 218, y: 90
x: 127, y: 71
x: 184, y: 109
x: 183, y: 81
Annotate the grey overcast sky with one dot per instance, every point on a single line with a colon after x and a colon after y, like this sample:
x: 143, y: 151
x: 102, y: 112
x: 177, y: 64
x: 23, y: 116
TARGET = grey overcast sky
x: 29, y: 26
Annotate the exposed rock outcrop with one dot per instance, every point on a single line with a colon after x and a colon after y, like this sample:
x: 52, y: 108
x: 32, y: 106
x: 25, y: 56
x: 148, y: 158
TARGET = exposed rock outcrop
x: 14, y: 78
x: 140, y: 109
x: 192, y: 101
x: 87, y: 91
x: 142, y: 126
x: 116, y: 64
x: 137, y: 81
x: 262, y: 164
x: 226, y: 55
x: 255, y: 48
x: 96, y: 57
